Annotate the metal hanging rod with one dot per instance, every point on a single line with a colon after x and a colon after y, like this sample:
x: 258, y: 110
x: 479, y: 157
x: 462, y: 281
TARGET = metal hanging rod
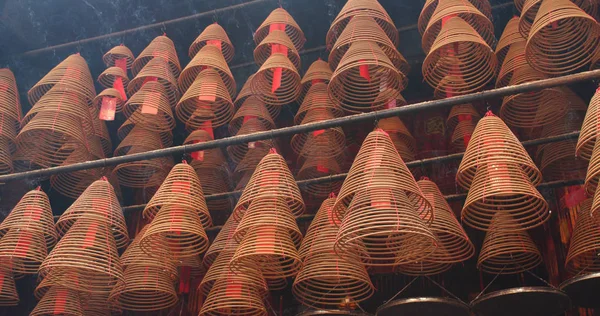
x: 305, y: 128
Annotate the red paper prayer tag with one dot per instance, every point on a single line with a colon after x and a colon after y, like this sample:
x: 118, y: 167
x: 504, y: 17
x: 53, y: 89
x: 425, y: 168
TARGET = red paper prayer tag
x: 573, y: 197
x: 277, y: 72
x: 322, y: 168
x: 2, y: 276
x: 266, y: 238
x: 23, y: 243
x: 207, y: 127
x: 374, y: 161
x: 176, y: 219
x: 181, y: 187
x: 382, y: 205
x: 276, y: 27
x: 463, y: 118
x: 447, y: 18
x: 233, y: 289
x: 148, y: 79
x: 208, y: 92
x: 554, y: 25
x: 278, y: 48
x: 118, y: 85
x: 503, y: 175
x: 248, y: 118
x: 108, y: 108
x: 61, y: 301
x: 271, y: 178
x: 391, y: 104
x: 161, y: 54
x: 150, y: 105
x: 318, y: 132
x: 90, y: 236
x: 184, y: 279
x: 364, y: 71
x: 216, y: 43
x: 315, y: 81
x: 35, y: 212
x: 121, y: 63
x: 198, y: 155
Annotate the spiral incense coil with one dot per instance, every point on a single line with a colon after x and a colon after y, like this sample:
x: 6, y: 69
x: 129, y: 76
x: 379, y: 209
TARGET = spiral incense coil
x: 181, y: 189
x: 161, y: 258
x: 403, y: 140
x: 507, y: 248
x: 59, y: 301
x: 563, y: 38
x: 210, y: 158
x: 357, y: 81
x: 503, y: 187
x: 364, y: 28
x: 320, y: 235
x: 32, y: 213
x: 461, y: 112
x: 276, y: 38
x: 10, y: 105
x: 101, y: 132
x: 317, y: 97
x: 165, y: 137
x: 529, y: 11
x: 108, y: 77
x: 98, y: 305
x: 238, y: 153
x: 72, y: 184
x: 273, y: 179
x: 194, y: 263
x: 492, y: 142
x: 426, y: 267
x: 430, y: 5
x: 149, y: 108
x: 592, y: 176
x: 144, y: 289
x: 221, y: 242
x: 264, y: 81
x: 370, y: 8
x: 208, y: 57
x: 510, y: 36
x: 461, y: 53
x: 378, y: 166
x: 6, y: 163
x: 513, y: 62
x: 462, y: 134
x: 278, y: 19
x: 99, y: 203
x: 163, y: 47
x: 326, y: 143
x: 156, y: 70
x: 583, y: 246
x: 212, y: 35
x: 111, y: 93
x: 24, y: 248
x: 215, y: 182
x: 316, y: 168
x: 595, y: 60
x: 73, y: 72
x: 252, y: 107
x: 589, y: 129
x: 116, y: 53
x: 318, y: 72
x: 233, y: 297
x: 8, y: 289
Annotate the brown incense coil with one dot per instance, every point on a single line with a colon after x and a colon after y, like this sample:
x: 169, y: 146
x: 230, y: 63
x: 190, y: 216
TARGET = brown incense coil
x: 108, y: 77
x: 10, y: 105
x: 208, y: 57
x: 233, y: 297
x: 378, y: 166
x: 595, y: 60
x: 215, y: 182
x: 144, y: 173
x: 462, y: 111
x: 163, y: 47
x: 318, y: 72
x: 6, y: 163
x: 156, y: 70
x: 357, y: 90
x: 247, y: 92
x: 370, y: 8
x: 8, y: 133
x: 248, y: 164
x: 264, y: 50
x: 364, y: 28
x: 161, y: 256
x: 387, y: 222
x: 87, y: 253
x: 589, y: 129
x: 503, y: 187
x: 211, y: 34
x: 98, y: 305
x: 320, y: 235
x: 73, y: 72
x: 59, y: 301
x: 262, y: 83
x: 583, y: 246
x: 194, y: 263
x: 430, y: 5
x: 98, y: 203
x: 510, y: 36
x: 436, y: 29
x: 401, y: 137
x: 514, y: 61
x: 316, y: 168
x: 272, y: 178
x: 428, y: 266
x: 593, y: 172
x: 144, y: 289
x: 238, y: 153
x: 149, y: 108
x: 317, y: 98
x: 529, y: 11
x: 462, y: 134
x: 24, y: 248
x: 253, y: 107
x: 8, y: 289
x: 563, y: 38
x: 165, y: 137
x: 207, y: 100
x: 101, y: 132
x: 72, y: 184
x: 492, y: 142
x: 325, y: 143
x: 243, y: 181
x: 221, y: 242
x: 275, y: 19
x: 111, y: 93
x: 507, y: 248
x: 116, y: 53
x: 462, y: 53
x: 212, y: 159
x: 32, y: 213
x: 181, y: 190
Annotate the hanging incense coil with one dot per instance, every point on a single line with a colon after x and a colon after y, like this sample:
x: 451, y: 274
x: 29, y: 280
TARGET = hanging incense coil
x: 595, y: 60
x: 279, y: 19
x: 503, y: 187
x: 320, y: 235
x: 529, y: 11
x: 108, y: 77
x: 403, y: 140
x: 59, y: 301
x: 99, y: 203
x: 317, y: 97
x: 370, y: 8
x: 33, y: 213
x: 271, y: 44
x: 87, y: 252
x: 215, y: 182
x: 162, y: 47
x: 6, y: 163
x: 492, y: 142
x: 98, y: 305
x: 430, y: 5
x: 165, y: 137
x: 510, y: 36
x: 364, y: 28
x: 507, y: 248
x: 181, y: 189
x: 316, y: 168
x: 563, y: 38
x: 514, y: 61
x: 8, y: 289
x: 378, y: 166
x: 318, y: 72
x: 462, y: 135
x: 10, y: 105
x: 221, y: 242
x: 101, y: 132
x: 589, y: 129
x: 356, y: 82
x: 156, y: 70
x: 116, y: 53
x: 592, y: 176
x: 237, y: 153
x: 461, y: 112
x: 161, y: 255
x: 73, y: 72
x: 24, y: 248
x: 149, y: 108
x: 462, y: 53
x: 325, y: 143
x: 233, y: 297
x: 264, y: 81
x: 110, y: 93
x: 210, y: 158
x: 213, y: 34
x: 208, y: 57
x: 252, y: 108
x: 583, y: 246
x: 248, y: 164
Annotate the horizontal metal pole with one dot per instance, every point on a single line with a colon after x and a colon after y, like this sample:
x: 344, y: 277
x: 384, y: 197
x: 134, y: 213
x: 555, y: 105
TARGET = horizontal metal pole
x: 305, y: 128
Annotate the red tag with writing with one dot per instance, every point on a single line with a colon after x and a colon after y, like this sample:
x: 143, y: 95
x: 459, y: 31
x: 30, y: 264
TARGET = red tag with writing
x: 318, y: 132
x: 108, y: 108
x: 61, y: 301
x: 233, y: 289
x: 276, y: 27
x: 197, y: 155
x: 121, y: 63
x: 364, y: 71
x: 266, y: 238
x: 216, y: 43
x: 118, y: 85
x: 248, y: 118
x: 90, y: 236
x: 277, y: 72
x: 150, y: 105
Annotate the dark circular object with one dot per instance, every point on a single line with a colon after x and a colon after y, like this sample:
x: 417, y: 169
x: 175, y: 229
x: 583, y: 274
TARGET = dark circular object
x: 522, y: 301
x: 583, y: 290
x: 331, y: 312
x: 424, y: 306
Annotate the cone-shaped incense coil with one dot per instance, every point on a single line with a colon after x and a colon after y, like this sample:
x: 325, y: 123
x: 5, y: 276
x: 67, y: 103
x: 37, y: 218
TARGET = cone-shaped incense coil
x: 101, y: 132
x: 161, y: 255
x: 370, y: 8
x: 32, y: 213
x: 514, y: 60
x: 529, y: 11
x: 276, y: 42
x: 156, y: 69
x: 510, y: 36
x: 208, y: 57
x: 165, y: 137
x: 589, y: 129
x: 221, y: 242
x: 279, y: 19
x: 249, y: 155
x: 563, y: 38
x: 503, y: 187
x: 492, y: 142
x: 163, y: 47
x: 88, y: 253
x: 317, y: 97
x: 436, y: 29
x: 533, y: 109
x: 271, y: 179
x: 118, y: 52
x: 378, y: 166
x: 277, y: 82
x: 6, y: 163
x: 100, y: 204
x: 209, y: 158
x: 233, y: 297
x: 149, y: 108
x: 109, y: 93
x: 59, y: 301
x: 318, y: 72
x: 214, y: 35
x: 247, y: 92
x: 461, y: 112
x: 430, y: 5
x: 73, y: 72
x: 10, y: 105
x: 366, y: 79
x: 593, y: 172
x: 320, y: 167
x: 462, y: 135
x: 507, y: 248
x: 144, y: 289
x: 180, y: 190
x: 252, y: 108
x: 388, y: 224
x: 364, y: 28
x: 583, y: 247
x: 98, y: 305
x: 8, y: 289
x: 321, y: 233
x: 108, y: 77
x: 215, y: 182
x: 24, y: 249
x: 324, y: 143
x: 403, y: 140
x: 462, y: 53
